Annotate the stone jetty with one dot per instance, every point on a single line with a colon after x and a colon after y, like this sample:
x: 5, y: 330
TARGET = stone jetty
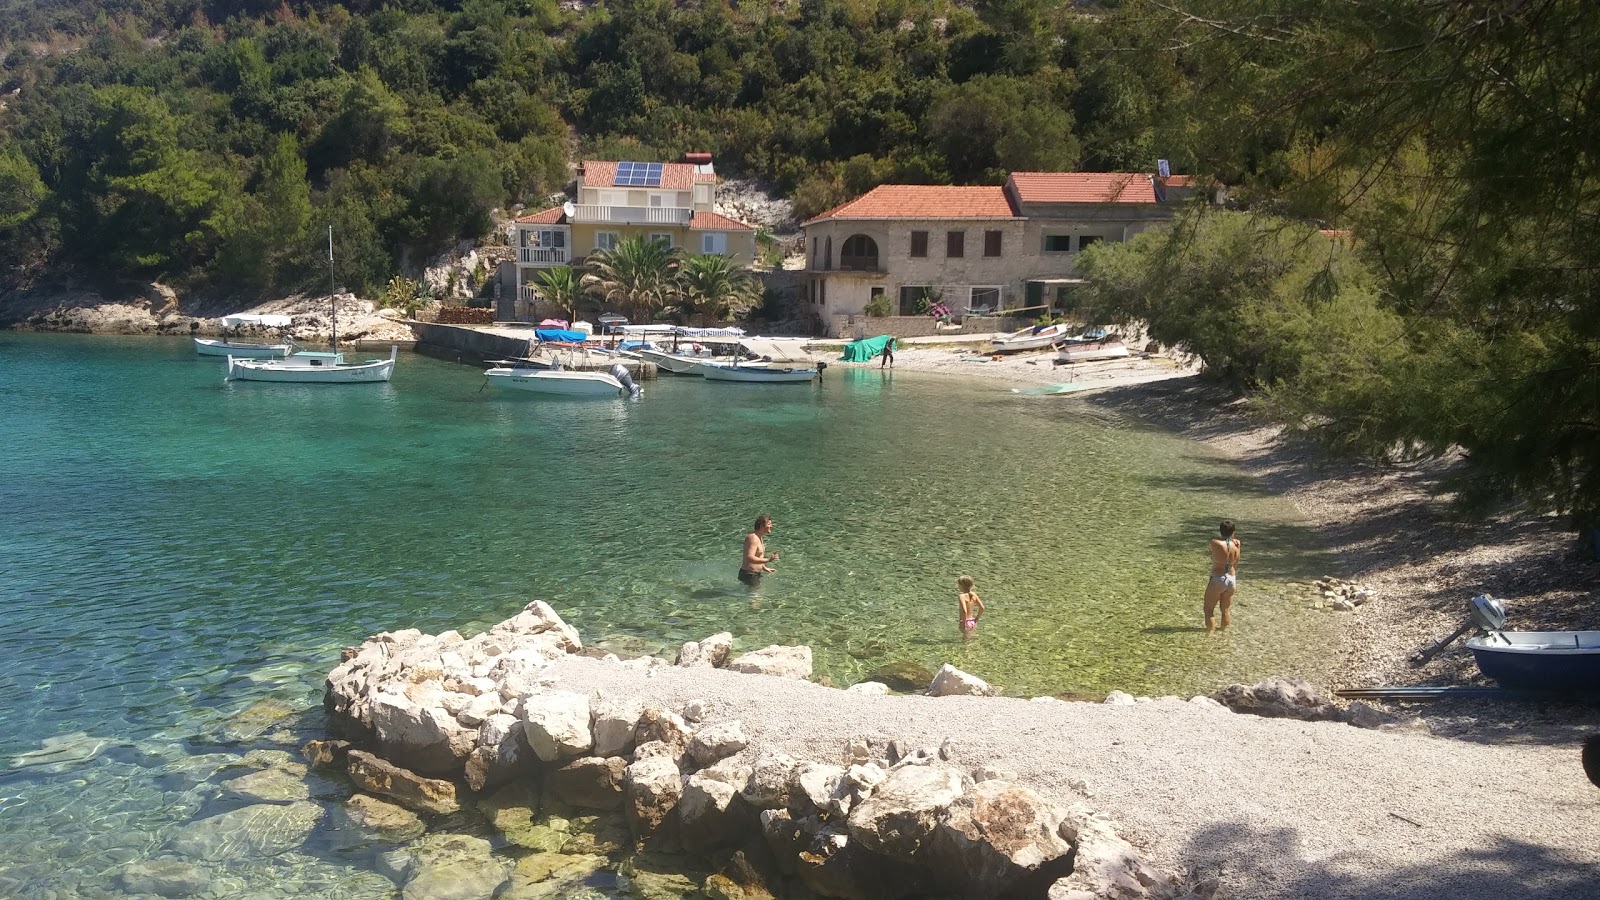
x: 508, y: 724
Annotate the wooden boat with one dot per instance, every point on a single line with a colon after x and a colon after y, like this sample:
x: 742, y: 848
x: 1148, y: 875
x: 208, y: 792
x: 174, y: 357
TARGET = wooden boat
x: 1031, y: 339
x: 247, y: 349
x: 1085, y: 350
x: 675, y: 363
x: 313, y: 367
x: 1567, y: 661
x: 561, y: 382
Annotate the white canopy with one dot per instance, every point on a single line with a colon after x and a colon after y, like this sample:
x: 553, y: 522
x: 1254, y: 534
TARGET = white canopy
x: 642, y: 329
x: 270, y: 321
x: 777, y: 351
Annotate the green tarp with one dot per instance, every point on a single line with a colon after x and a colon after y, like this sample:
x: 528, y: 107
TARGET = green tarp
x: 865, y: 349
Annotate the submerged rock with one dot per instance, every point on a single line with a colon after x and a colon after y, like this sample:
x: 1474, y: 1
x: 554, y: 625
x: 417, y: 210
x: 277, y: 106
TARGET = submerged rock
x: 274, y: 785
x: 262, y: 829
x: 377, y: 776
x: 164, y: 878
x: 905, y: 677
x: 366, y: 819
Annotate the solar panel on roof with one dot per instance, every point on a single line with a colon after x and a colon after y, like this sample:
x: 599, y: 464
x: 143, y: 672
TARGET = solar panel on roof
x: 638, y: 174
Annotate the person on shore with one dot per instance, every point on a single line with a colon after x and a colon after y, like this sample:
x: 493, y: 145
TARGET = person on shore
x: 971, y: 606
x: 1224, y: 575
x: 888, y: 355
x: 756, y: 561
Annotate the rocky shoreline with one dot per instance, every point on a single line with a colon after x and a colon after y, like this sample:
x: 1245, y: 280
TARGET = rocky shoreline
x: 734, y: 776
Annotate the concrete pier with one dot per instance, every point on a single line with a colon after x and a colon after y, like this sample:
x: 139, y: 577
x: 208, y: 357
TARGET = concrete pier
x: 476, y: 344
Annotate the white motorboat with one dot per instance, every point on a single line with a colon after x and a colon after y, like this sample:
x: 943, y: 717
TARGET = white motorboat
x: 565, y: 382
x: 670, y: 362
x: 1091, y: 349
x: 704, y: 364
x: 758, y: 374
x: 1031, y: 339
x: 313, y: 367
x: 247, y: 349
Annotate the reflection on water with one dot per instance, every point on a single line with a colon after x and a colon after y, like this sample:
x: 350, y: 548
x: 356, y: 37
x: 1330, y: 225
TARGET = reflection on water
x: 178, y: 550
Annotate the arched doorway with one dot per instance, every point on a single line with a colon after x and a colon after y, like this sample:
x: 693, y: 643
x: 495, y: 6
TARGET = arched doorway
x: 859, y: 253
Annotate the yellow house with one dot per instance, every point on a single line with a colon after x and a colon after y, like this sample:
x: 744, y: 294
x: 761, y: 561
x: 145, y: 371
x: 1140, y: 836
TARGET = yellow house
x: 669, y: 202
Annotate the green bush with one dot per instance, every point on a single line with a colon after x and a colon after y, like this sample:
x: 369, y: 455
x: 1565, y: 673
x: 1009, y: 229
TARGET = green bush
x: 878, y: 307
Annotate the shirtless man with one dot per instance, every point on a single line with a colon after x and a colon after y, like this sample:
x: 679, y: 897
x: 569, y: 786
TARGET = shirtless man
x: 1224, y: 575
x: 755, y: 553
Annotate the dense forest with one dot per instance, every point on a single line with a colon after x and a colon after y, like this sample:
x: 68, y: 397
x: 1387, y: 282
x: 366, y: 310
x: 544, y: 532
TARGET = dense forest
x: 197, y: 140
x: 1409, y: 267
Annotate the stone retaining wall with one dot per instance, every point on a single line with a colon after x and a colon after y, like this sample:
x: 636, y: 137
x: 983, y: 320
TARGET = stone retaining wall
x: 855, y: 328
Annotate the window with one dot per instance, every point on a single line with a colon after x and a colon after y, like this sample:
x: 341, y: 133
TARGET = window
x: 605, y: 240
x: 984, y: 298
x: 1086, y: 240
x: 655, y: 200
x: 552, y: 238
x: 525, y: 236
x: 919, y: 243
x: 662, y: 238
x: 955, y: 244
x: 814, y: 254
x: 991, y: 243
x: 714, y: 243
x: 859, y: 253
x: 1058, y: 243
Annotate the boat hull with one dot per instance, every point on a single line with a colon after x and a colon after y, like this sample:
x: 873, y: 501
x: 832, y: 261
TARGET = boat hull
x: 759, y: 375
x: 564, y: 384
x: 311, y: 368
x: 1566, y: 661
x: 1028, y: 340
x: 1089, y: 351
x: 212, y: 347
x: 667, y: 362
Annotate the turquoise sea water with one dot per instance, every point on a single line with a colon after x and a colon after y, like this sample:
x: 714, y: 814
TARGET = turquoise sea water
x: 175, y: 549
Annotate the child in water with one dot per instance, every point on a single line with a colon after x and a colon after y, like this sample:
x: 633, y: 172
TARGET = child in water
x: 971, y: 605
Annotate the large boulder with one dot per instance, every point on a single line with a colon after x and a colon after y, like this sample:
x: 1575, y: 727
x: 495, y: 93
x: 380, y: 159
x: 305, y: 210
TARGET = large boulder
x: 364, y: 819
x: 771, y: 780
x: 1004, y: 835
x: 163, y: 878
x: 417, y: 734
x: 259, y: 830
x: 821, y: 786
x: 1106, y: 866
x: 557, y: 725
x: 538, y: 618
x: 708, y: 814
x: 407, y: 788
x: 714, y: 742
x: 900, y: 817
x: 654, y: 787
x: 950, y: 681
x: 1279, y: 698
x: 616, y: 722
x: 784, y: 662
x: 665, y: 726
x: 591, y: 782
x: 710, y: 653
x: 445, y: 866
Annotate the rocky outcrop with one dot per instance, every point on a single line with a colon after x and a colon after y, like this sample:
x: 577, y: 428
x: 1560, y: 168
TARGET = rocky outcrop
x: 1280, y: 698
x: 407, y: 788
x: 784, y: 662
x: 712, y: 652
x: 950, y: 681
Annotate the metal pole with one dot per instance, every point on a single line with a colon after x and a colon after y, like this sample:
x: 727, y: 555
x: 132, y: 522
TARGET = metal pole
x: 332, y: 302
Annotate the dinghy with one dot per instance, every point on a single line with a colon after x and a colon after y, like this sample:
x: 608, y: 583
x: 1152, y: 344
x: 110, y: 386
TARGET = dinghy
x: 247, y: 349
x: 1090, y: 349
x: 1031, y: 338
x: 1560, y: 661
x: 565, y: 382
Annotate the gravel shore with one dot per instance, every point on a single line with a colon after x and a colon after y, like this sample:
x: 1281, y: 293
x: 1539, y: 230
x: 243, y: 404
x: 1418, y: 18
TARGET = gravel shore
x: 1270, y: 808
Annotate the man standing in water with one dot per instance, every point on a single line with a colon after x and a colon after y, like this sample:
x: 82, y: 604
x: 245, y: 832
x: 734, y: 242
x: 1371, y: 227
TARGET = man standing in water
x: 1224, y: 575
x: 756, y: 560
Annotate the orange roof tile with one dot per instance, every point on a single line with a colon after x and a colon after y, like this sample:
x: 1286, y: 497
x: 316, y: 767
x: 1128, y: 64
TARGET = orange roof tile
x: 555, y: 215
x: 1083, y: 187
x: 603, y: 173
x: 710, y: 221
x: 924, y: 201
x: 1179, y: 181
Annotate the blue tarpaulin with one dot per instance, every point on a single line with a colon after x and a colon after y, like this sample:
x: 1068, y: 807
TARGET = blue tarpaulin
x: 559, y: 336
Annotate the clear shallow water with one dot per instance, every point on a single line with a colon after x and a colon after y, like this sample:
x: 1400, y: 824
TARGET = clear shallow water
x: 175, y: 549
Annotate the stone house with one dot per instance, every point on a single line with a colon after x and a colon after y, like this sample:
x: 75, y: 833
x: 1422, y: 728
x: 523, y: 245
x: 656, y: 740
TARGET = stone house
x: 669, y: 202
x: 1008, y: 249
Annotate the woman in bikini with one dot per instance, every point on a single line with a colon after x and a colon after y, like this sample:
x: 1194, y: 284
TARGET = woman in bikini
x: 1224, y: 575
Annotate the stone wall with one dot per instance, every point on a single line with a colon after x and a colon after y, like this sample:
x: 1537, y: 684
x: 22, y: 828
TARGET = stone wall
x: 854, y: 328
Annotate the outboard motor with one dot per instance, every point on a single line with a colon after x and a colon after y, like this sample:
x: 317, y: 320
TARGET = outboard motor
x: 1488, y: 613
x: 620, y: 373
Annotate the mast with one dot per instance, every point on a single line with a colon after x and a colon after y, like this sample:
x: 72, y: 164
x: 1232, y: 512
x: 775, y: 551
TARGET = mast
x: 332, y: 301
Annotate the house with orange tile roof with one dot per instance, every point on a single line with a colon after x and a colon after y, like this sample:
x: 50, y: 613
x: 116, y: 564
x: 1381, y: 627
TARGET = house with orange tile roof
x: 987, y: 249
x: 668, y: 202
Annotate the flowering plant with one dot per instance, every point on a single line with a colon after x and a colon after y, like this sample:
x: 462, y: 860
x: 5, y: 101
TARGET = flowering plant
x: 939, y: 311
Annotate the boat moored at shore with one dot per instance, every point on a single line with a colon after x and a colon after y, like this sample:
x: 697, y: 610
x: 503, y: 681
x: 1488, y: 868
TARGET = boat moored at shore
x: 565, y: 382
x: 313, y: 367
x: 1091, y: 349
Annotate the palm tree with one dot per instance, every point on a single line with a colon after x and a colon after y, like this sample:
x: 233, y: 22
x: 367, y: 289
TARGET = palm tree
x: 714, y: 288
x: 638, y: 273
x: 562, y: 288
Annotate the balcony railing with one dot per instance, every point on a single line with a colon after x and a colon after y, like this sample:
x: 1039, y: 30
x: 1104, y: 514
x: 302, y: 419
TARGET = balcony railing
x: 535, y: 256
x: 633, y: 215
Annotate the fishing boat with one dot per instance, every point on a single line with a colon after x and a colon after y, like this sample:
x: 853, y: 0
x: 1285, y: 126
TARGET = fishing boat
x: 675, y: 363
x: 1089, y: 349
x: 565, y: 382
x: 313, y: 367
x: 764, y: 373
x: 246, y: 349
x: 1036, y: 338
x: 316, y: 367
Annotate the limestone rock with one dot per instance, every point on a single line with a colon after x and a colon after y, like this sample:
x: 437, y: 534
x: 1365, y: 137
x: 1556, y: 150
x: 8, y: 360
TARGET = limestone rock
x: 705, y: 814
x: 615, y: 724
x: 877, y: 688
x: 784, y: 662
x: 551, y: 876
x: 823, y: 786
x: 366, y: 819
x: 325, y: 754
x: 1119, y: 698
x: 262, y: 829
x: 1008, y: 832
x: 418, y: 735
x: 491, y: 766
x: 950, y: 681
x: 538, y: 618
x: 654, y: 787
x: 511, y: 810
x: 771, y: 778
x: 905, y: 677
x: 446, y: 866
x: 479, y: 709
x: 1279, y: 698
x: 865, y: 777
x: 899, y: 818
x: 666, y: 726
x: 714, y: 742
x: 592, y: 782
x: 695, y: 711
x: 557, y: 725
x: 163, y: 877
x: 1106, y: 866
x: 710, y: 653
x: 377, y: 776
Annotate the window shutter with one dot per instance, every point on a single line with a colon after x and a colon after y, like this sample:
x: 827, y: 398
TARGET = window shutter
x: 955, y: 244
x: 919, y: 243
x: 991, y: 243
